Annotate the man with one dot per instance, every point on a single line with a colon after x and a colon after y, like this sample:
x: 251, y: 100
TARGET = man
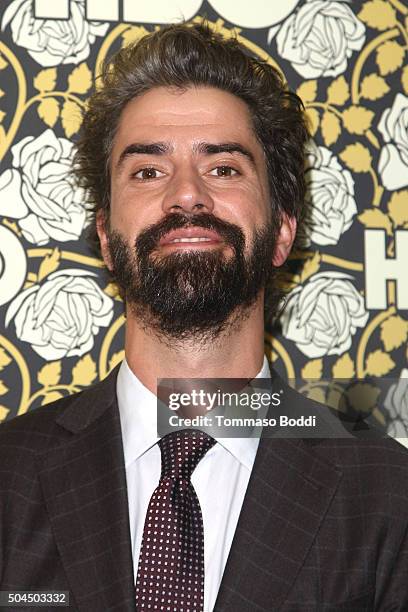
x: 192, y: 154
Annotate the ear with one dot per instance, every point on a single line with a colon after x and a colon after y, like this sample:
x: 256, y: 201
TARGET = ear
x: 284, y: 240
x: 103, y: 238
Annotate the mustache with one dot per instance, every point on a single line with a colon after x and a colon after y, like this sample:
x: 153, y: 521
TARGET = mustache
x: 148, y: 239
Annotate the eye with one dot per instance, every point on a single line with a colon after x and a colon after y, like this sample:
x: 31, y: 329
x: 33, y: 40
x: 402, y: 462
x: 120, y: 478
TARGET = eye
x: 224, y: 171
x: 146, y: 174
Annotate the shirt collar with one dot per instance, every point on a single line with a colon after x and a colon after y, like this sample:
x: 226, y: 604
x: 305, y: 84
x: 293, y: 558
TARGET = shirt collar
x: 244, y: 449
x: 138, y: 418
x: 137, y: 410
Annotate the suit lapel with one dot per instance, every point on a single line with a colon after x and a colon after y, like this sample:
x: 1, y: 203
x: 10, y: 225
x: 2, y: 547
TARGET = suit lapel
x: 288, y: 495
x: 84, y: 486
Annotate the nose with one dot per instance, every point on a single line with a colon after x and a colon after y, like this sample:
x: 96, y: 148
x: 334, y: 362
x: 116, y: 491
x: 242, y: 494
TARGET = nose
x: 187, y: 193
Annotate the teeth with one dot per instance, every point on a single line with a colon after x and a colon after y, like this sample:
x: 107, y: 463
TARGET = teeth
x: 191, y: 240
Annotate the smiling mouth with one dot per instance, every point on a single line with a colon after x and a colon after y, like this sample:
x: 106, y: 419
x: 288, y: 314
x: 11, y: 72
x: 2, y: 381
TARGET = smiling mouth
x: 177, y: 240
x: 193, y: 237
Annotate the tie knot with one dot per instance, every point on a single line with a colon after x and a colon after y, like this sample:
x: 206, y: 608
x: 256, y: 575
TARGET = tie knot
x: 182, y: 450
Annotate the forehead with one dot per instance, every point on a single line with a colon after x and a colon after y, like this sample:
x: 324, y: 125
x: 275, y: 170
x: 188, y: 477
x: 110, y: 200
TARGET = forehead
x: 185, y: 115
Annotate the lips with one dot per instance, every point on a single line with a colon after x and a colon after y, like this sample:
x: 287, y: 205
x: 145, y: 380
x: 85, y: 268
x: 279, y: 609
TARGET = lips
x: 190, y: 235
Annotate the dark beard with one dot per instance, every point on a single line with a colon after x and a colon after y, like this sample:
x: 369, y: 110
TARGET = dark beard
x: 192, y: 294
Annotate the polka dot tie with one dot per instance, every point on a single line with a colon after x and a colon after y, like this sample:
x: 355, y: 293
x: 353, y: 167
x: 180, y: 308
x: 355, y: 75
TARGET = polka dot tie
x: 171, y: 563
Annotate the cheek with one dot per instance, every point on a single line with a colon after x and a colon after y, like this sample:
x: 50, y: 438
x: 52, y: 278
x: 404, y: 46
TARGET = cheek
x: 245, y: 207
x: 129, y: 216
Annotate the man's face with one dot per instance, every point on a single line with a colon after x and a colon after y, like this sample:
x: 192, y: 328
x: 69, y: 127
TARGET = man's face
x: 190, y: 236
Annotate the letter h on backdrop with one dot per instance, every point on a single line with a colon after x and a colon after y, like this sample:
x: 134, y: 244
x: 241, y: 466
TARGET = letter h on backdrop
x: 254, y: 14
x: 379, y: 269
x: 144, y: 11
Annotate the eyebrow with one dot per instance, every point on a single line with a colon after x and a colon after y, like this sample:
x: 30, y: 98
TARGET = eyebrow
x: 208, y: 148
x: 203, y: 148
x: 154, y: 148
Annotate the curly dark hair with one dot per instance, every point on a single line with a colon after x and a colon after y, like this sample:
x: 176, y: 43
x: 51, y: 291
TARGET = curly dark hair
x: 192, y: 54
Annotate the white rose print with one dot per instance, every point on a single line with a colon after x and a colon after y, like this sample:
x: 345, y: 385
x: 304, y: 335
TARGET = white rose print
x: 322, y: 316
x: 61, y: 316
x: 393, y: 162
x: 319, y: 38
x: 38, y: 193
x: 51, y: 42
x: 330, y: 197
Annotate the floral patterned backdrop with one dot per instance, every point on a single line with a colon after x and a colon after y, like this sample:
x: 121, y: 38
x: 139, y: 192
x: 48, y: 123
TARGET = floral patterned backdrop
x: 346, y: 307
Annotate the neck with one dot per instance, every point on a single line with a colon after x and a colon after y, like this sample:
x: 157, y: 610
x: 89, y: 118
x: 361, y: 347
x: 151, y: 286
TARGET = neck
x: 237, y: 353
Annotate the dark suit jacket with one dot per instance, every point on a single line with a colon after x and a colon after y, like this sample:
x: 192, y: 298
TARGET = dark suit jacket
x: 323, y: 526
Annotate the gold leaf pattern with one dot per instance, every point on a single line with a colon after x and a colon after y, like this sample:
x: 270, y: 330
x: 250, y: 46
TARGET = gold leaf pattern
x: 394, y: 332
x: 312, y: 370
x: 331, y: 128
x: 357, y: 119
x: 378, y: 14
x: 71, y: 118
x: 313, y: 120
x: 46, y: 80
x: 80, y: 79
x: 48, y: 111
x: 374, y: 87
x: 379, y: 363
x: 344, y: 367
x: 398, y: 208
x: 357, y: 157
x: 363, y: 396
x: 50, y: 374
x: 390, y: 56
x: 307, y: 91
x: 375, y: 218
x: 338, y: 92
x: 3, y: 388
x: 84, y: 372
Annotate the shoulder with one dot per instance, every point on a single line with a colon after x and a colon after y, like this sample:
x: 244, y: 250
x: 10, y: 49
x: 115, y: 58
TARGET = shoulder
x: 380, y: 462
x: 48, y: 426
x: 372, y: 485
x: 371, y: 463
x: 22, y: 440
x: 31, y: 434
x: 26, y: 439
x: 28, y: 442
x: 372, y: 453
x: 374, y: 476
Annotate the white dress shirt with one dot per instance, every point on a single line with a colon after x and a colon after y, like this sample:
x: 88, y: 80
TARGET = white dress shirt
x: 220, y: 479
